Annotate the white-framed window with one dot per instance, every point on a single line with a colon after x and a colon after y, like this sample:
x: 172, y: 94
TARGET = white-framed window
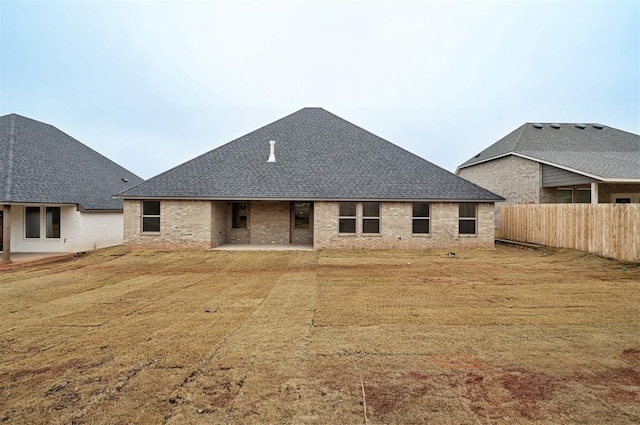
x: 347, y: 217
x: 371, y: 217
x: 421, y: 218
x: 33, y: 222
x: 625, y: 198
x: 150, y: 216
x: 52, y: 222
x: 467, y: 218
x: 564, y: 196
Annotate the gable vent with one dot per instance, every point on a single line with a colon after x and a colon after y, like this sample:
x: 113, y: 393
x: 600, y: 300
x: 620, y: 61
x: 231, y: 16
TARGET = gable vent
x: 272, y: 151
x: 556, y: 126
x: 537, y: 125
x: 581, y: 126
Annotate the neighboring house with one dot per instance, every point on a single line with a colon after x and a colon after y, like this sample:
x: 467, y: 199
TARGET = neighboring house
x: 310, y: 178
x: 56, y: 193
x: 560, y: 163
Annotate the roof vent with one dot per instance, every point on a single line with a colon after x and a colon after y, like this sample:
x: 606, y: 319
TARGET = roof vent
x: 537, y: 126
x: 125, y: 180
x: 597, y: 126
x: 556, y: 126
x: 581, y: 126
x: 272, y: 151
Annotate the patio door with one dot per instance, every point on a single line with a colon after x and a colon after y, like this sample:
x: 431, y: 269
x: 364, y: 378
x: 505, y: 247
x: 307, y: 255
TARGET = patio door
x: 302, y: 223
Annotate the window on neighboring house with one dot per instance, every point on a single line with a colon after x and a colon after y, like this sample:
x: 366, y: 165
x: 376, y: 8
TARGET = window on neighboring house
x: 421, y: 217
x: 347, y: 217
x: 371, y: 217
x: 301, y: 213
x: 565, y: 196
x: 584, y: 196
x: 32, y: 222
x: 150, y: 216
x: 467, y: 218
x: 239, y: 215
x: 53, y: 222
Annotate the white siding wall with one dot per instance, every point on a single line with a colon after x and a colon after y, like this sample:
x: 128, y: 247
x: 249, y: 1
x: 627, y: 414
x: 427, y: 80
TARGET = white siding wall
x: 78, y: 231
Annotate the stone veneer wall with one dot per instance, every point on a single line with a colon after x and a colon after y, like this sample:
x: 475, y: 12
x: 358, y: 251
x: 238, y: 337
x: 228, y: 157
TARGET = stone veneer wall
x: 396, y: 221
x: 183, y: 225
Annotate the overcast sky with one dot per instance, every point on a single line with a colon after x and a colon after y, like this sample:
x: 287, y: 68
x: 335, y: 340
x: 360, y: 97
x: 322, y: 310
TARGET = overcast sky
x: 153, y: 84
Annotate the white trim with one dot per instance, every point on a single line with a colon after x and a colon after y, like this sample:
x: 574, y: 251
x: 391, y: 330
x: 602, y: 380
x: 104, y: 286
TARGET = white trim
x: 553, y: 164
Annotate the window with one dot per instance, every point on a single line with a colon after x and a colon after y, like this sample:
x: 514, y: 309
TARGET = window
x: 239, y: 215
x: 301, y: 212
x: 347, y: 217
x: 584, y: 196
x: 467, y: 216
x: 371, y: 217
x: 565, y: 196
x: 421, y: 215
x: 625, y: 198
x: 150, y: 216
x: 53, y: 222
x: 32, y: 222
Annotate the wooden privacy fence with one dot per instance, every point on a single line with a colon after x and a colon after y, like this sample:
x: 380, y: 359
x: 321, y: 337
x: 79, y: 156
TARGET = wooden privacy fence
x: 610, y: 230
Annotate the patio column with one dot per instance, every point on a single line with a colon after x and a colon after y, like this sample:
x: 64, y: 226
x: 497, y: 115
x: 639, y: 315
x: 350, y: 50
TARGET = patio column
x: 594, y: 192
x: 6, y: 234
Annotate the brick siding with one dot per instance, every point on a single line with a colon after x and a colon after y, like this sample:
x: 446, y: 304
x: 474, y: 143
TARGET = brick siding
x: 396, y: 221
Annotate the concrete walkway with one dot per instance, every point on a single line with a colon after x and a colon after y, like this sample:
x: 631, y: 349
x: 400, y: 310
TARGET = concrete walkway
x: 255, y: 247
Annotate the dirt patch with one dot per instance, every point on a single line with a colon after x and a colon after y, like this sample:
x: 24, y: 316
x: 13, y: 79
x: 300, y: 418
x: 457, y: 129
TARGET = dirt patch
x: 499, y: 336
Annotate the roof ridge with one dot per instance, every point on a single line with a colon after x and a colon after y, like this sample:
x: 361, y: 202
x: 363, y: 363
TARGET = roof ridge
x: 12, y: 138
x: 523, y: 127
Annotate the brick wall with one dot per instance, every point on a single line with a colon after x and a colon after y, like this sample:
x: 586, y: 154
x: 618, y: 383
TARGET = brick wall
x: 516, y: 179
x: 605, y: 190
x: 270, y: 222
x: 183, y: 225
x: 220, y: 222
x: 396, y: 221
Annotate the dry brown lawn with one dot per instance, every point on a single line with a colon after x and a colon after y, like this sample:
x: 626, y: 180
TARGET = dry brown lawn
x: 501, y: 336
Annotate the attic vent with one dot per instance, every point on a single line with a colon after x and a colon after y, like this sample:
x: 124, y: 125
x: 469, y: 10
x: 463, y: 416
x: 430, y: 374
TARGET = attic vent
x: 537, y: 126
x: 272, y: 151
x: 597, y: 126
x: 125, y: 180
x: 556, y: 126
x: 581, y: 126
x: 477, y: 156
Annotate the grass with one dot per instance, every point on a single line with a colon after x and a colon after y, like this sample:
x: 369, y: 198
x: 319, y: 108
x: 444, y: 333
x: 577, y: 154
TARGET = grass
x: 500, y: 336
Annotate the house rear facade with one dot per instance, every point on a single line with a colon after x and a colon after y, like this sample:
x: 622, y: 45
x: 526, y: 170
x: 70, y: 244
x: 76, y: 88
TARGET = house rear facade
x: 311, y: 178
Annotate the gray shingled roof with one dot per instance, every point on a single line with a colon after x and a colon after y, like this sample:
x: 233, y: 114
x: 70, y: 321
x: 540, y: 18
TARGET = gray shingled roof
x: 597, y: 151
x: 318, y: 156
x: 41, y: 164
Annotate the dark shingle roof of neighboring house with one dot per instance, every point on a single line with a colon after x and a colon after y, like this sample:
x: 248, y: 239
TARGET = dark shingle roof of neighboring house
x: 41, y: 164
x: 594, y: 150
x: 318, y: 156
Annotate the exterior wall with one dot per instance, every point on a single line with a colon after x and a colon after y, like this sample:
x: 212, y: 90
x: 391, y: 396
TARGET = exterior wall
x: 270, y: 222
x: 219, y: 223
x: 79, y: 231
x: 516, y: 179
x: 396, y: 221
x: 183, y: 225
x: 99, y: 230
x: 605, y: 190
